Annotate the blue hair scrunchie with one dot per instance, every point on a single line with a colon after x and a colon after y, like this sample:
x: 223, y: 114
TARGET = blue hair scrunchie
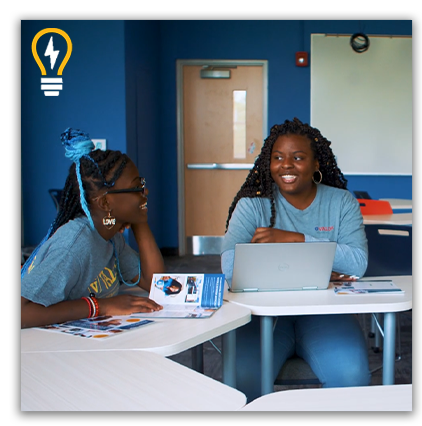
x: 76, y: 143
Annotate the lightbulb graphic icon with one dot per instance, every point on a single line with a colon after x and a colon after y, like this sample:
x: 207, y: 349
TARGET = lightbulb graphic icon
x: 51, y: 85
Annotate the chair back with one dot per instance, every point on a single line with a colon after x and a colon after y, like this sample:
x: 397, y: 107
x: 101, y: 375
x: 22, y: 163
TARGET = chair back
x: 368, y: 207
x: 389, y: 250
x: 362, y: 195
x: 56, y: 195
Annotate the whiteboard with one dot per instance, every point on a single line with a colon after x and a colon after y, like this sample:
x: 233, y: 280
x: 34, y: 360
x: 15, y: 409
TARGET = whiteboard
x: 362, y: 102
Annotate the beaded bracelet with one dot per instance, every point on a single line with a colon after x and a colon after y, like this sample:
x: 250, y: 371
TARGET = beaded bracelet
x: 95, y: 302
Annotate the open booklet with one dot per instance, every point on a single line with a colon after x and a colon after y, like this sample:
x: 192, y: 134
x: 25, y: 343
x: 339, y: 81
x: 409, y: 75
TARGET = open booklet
x: 366, y: 287
x: 99, y: 327
x: 186, y: 295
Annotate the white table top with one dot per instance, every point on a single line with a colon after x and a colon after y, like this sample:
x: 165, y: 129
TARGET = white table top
x: 365, y: 398
x: 165, y: 336
x: 398, y: 203
x: 312, y: 302
x: 118, y: 381
x: 388, y: 219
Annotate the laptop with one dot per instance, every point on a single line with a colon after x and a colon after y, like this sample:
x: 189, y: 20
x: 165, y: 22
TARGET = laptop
x: 282, y: 266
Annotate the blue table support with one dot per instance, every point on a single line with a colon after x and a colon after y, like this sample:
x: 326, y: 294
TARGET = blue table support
x: 229, y: 358
x: 267, y: 355
x: 389, y: 353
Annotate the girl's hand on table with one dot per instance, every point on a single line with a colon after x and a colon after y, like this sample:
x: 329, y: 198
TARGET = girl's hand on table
x: 126, y: 304
x: 336, y: 276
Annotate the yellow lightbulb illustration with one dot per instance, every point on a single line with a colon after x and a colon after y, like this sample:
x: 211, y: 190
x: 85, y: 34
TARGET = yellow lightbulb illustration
x: 51, y: 86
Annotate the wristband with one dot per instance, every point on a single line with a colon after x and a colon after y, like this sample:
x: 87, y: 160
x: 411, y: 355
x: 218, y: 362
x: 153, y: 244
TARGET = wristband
x: 89, y: 305
x: 93, y: 299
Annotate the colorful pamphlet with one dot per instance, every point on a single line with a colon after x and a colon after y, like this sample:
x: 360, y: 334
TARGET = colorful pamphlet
x: 186, y: 295
x: 99, y: 327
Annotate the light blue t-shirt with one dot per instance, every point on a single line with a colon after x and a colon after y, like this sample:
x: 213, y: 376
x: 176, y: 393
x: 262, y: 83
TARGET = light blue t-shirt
x: 334, y: 215
x: 75, y: 262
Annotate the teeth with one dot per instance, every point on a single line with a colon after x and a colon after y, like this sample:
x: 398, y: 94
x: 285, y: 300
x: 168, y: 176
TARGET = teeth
x: 288, y: 178
x: 143, y: 206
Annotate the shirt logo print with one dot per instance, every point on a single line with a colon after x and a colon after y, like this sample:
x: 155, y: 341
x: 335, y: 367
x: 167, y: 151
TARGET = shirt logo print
x: 324, y: 228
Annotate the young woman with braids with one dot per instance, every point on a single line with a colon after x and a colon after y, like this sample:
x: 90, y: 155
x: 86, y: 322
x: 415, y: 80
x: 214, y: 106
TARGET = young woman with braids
x: 77, y: 269
x: 296, y: 193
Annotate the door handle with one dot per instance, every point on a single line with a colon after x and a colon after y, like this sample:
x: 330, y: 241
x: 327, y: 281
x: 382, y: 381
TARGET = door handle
x: 220, y: 166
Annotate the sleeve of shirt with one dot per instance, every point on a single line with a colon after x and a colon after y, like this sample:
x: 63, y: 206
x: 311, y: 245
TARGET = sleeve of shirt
x: 51, y: 280
x: 227, y: 262
x: 352, y: 247
x: 128, y: 258
x: 242, y: 226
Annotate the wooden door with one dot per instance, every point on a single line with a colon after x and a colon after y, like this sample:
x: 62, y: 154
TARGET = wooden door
x: 222, y: 135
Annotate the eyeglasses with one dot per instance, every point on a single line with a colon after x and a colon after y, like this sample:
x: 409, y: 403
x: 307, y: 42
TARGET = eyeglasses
x: 140, y: 188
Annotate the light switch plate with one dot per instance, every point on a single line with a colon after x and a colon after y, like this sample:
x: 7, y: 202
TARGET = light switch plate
x: 100, y: 144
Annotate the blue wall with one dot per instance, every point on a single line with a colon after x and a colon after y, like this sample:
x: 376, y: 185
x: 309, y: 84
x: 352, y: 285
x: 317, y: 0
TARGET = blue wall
x: 92, y: 99
x: 120, y: 83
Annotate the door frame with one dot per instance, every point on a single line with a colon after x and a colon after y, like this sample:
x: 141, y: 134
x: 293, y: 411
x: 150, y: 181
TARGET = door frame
x: 180, y: 63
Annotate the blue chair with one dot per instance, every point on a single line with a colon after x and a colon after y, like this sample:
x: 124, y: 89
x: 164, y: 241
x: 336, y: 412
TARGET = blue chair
x: 56, y: 195
x: 362, y: 194
x: 389, y: 254
x: 390, y: 250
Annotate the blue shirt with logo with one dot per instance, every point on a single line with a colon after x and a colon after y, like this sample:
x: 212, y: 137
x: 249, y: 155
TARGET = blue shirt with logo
x: 334, y: 215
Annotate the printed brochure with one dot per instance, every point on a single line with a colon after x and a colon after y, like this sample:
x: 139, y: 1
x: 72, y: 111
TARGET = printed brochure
x: 99, y: 327
x: 186, y: 295
x: 366, y: 287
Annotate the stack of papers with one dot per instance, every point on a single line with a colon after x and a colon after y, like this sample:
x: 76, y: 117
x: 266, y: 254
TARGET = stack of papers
x: 366, y: 287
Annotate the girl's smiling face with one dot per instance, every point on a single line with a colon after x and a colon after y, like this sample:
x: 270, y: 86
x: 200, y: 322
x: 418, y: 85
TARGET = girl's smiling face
x: 129, y: 207
x: 293, y: 165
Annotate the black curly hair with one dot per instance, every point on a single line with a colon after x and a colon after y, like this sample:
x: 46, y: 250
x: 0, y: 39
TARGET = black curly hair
x: 259, y: 182
x: 90, y: 171
x: 103, y: 171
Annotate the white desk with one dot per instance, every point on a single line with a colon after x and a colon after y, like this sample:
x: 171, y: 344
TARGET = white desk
x: 398, y: 203
x: 165, y: 337
x: 118, y: 381
x: 314, y: 302
x: 365, y: 398
x: 388, y: 219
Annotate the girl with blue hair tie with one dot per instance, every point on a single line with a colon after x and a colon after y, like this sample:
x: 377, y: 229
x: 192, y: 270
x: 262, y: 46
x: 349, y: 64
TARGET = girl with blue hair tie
x: 77, y: 269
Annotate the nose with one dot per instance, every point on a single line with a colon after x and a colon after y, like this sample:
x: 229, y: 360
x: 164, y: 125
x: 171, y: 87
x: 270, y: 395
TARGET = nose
x: 146, y: 192
x: 286, y: 163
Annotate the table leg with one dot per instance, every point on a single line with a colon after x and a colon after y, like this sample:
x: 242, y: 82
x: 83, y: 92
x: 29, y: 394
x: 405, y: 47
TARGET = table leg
x: 198, y: 358
x: 267, y: 382
x: 389, y: 354
x: 229, y: 358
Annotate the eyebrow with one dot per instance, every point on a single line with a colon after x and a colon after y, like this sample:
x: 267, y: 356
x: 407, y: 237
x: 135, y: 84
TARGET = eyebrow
x: 295, y: 152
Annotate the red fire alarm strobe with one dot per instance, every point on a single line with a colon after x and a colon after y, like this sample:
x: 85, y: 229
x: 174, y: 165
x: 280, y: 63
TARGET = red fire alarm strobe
x: 302, y: 59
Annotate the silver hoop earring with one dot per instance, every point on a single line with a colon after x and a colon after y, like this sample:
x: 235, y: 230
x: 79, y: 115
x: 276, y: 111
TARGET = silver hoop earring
x: 320, y: 177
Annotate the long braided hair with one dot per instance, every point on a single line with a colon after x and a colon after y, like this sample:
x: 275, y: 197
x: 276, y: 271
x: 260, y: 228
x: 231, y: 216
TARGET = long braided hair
x: 259, y: 183
x: 90, y: 171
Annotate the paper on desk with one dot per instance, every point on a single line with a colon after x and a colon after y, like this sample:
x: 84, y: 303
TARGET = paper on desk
x: 193, y: 295
x: 366, y: 287
x: 99, y: 327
